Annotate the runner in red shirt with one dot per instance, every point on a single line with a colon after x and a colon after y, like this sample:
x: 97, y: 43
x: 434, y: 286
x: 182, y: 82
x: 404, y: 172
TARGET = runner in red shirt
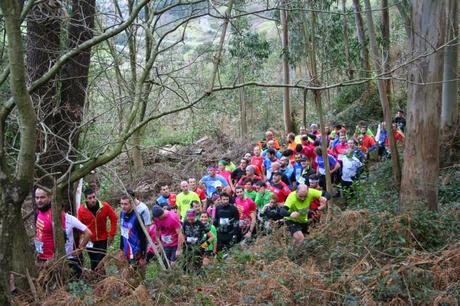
x: 193, y: 187
x: 279, y: 188
x: 257, y: 160
x: 341, y: 147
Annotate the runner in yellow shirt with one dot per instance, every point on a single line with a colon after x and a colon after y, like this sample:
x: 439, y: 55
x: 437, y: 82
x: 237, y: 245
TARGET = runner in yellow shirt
x: 297, y: 204
x: 184, y: 199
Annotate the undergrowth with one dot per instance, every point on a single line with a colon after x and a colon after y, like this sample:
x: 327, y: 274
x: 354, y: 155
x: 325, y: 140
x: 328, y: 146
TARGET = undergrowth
x: 367, y: 254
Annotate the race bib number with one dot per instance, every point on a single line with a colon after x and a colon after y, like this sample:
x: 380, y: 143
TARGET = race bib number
x: 124, y: 232
x: 192, y: 240
x: 224, y: 221
x: 90, y: 244
x: 166, y: 238
x: 38, y: 246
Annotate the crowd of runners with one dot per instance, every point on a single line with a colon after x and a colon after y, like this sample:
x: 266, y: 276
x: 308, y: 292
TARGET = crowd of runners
x: 278, y: 184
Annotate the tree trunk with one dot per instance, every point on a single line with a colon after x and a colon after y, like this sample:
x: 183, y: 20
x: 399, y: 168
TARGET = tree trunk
x: 288, y: 124
x: 15, y: 188
x: 383, y: 96
x: 345, y: 39
x: 242, y: 99
x: 310, y: 45
x: 43, y: 39
x: 404, y: 9
x: 449, y: 112
x: 364, y: 53
x: 138, y: 161
x: 16, y: 253
x: 304, y: 109
x: 58, y: 196
x: 421, y: 154
x: 386, y: 46
x: 74, y: 88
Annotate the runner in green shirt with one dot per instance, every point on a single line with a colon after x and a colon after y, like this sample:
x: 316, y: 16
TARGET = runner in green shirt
x: 184, y: 199
x: 248, y: 191
x: 263, y: 195
x: 211, y: 250
x: 298, y: 204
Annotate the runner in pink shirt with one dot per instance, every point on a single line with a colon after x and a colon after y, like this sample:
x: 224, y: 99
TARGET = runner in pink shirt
x: 247, y: 209
x: 168, y: 232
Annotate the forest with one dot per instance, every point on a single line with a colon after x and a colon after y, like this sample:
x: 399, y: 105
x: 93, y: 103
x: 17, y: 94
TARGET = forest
x: 120, y: 100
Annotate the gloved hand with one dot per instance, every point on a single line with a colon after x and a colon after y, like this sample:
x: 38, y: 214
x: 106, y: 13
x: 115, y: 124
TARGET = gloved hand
x: 204, y: 245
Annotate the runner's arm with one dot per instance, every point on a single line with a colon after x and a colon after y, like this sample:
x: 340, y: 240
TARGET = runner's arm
x: 181, y: 239
x: 86, y: 237
x: 253, y: 222
x: 113, y: 221
x: 283, y: 211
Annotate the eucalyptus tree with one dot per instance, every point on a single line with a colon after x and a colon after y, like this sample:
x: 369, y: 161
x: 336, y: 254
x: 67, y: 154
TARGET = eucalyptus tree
x: 420, y: 181
x: 248, y: 51
x: 383, y: 93
x: 449, y: 112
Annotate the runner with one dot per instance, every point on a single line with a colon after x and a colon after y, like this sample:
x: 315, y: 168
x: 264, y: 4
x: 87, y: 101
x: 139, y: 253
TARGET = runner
x: 350, y: 168
x: 366, y: 141
x: 279, y: 188
x: 211, y: 180
x: 287, y: 170
x: 226, y: 174
x: 250, y: 174
x: 400, y: 120
x: 257, y: 160
x: 333, y: 164
x: 341, y: 147
x: 302, y: 132
x: 303, y: 170
x: 240, y: 171
x: 268, y: 161
x: 199, y: 191
x: 273, y: 213
x: 247, y: 210
x: 314, y: 215
x: 44, y: 238
x: 263, y: 195
x: 166, y: 200
x: 212, y: 206
x: 227, y: 223
x: 133, y: 243
x: 211, y: 251
x: 298, y: 204
x: 184, y: 199
x: 276, y: 167
x: 168, y: 232
x: 95, y: 214
x: 269, y: 137
x: 314, y: 130
x: 197, y: 238
x: 141, y: 208
x: 271, y: 146
x: 249, y: 191
x: 381, y: 137
x: 291, y: 145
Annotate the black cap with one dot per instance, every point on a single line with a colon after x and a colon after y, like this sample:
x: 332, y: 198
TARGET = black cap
x: 157, y: 211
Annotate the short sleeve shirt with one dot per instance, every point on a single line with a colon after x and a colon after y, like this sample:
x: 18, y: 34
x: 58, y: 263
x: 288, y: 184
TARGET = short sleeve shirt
x: 294, y: 204
x: 168, y: 228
